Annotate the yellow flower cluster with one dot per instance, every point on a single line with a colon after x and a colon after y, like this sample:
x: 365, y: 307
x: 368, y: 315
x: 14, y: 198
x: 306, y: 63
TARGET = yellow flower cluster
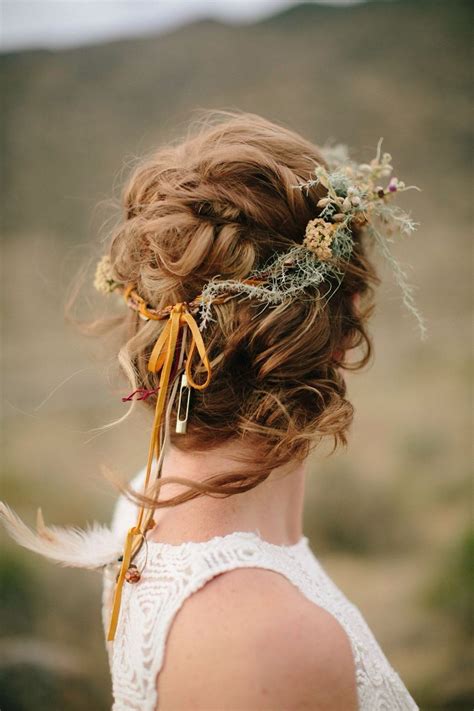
x: 104, y: 280
x: 319, y: 236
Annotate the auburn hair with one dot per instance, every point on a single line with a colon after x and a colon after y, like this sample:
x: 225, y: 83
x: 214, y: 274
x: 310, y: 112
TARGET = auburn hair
x: 221, y: 201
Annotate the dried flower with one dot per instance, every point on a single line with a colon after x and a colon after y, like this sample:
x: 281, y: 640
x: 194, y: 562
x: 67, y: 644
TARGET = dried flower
x: 356, y: 198
x: 324, y: 202
x: 318, y: 238
x: 359, y: 219
x: 393, y: 184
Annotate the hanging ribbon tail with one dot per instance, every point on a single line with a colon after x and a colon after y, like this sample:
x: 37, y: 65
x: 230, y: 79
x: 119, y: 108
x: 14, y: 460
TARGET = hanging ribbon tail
x: 161, y: 359
x: 127, y: 554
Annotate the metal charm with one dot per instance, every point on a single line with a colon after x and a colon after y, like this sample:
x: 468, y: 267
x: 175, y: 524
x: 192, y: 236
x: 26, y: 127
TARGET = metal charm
x: 133, y: 574
x: 183, y: 405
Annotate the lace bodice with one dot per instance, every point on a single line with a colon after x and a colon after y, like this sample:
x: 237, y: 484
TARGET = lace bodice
x: 174, y: 572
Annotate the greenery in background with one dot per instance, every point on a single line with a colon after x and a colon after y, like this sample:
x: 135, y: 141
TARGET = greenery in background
x: 453, y: 590
x: 18, y: 594
x: 451, y: 593
x: 376, y: 523
x: 45, y: 641
x: 24, y: 687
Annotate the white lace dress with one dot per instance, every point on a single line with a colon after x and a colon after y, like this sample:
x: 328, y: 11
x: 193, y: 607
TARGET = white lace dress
x: 174, y: 572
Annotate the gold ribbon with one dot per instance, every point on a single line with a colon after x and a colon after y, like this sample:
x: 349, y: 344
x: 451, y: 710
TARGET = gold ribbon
x: 161, y: 358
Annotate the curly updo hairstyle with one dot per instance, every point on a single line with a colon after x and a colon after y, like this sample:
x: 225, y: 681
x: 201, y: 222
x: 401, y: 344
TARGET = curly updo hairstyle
x: 221, y: 202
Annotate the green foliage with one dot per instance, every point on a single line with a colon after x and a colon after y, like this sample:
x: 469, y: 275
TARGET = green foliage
x: 18, y: 594
x: 357, y: 516
x: 422, y: 447
x: 453, y: 590
x: 28, y: 687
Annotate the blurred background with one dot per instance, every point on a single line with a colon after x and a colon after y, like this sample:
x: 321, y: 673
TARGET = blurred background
x: 88, y: 87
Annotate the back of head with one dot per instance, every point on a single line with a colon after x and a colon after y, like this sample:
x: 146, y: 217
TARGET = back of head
x: 220, y: 204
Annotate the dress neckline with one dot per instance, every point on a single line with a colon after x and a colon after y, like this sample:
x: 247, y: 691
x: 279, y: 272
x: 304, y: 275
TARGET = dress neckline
x: 249, y: 535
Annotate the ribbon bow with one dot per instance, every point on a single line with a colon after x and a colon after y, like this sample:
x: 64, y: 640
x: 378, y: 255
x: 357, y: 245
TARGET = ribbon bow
x: 161, y: 358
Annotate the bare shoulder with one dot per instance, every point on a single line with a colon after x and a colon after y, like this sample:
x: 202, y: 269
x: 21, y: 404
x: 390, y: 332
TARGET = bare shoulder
x: 250, y: 640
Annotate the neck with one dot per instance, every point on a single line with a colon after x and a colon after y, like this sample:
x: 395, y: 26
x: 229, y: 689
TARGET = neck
x: 273, y: 509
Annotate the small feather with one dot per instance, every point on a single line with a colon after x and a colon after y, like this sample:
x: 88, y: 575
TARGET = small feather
x: 70, y: 546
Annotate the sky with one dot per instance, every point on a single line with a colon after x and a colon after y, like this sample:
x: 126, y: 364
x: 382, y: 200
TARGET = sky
x: 30, y: 24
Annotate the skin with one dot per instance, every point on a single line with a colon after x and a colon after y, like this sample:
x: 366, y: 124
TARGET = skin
x: 274, y: 508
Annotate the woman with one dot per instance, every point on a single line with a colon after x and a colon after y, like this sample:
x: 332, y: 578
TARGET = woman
x: 244, y: 258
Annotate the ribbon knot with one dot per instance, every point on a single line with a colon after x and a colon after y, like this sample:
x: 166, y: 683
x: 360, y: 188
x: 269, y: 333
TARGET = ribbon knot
x: 161, y: 359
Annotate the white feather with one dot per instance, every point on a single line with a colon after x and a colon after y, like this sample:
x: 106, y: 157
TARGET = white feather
x: 70, y: 546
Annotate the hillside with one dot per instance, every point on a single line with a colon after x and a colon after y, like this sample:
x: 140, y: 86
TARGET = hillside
x: 397, y: 69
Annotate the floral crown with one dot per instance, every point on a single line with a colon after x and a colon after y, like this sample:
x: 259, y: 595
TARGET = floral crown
x: 357, y: 195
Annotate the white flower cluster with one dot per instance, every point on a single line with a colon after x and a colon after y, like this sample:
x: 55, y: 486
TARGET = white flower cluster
x: 104, y: 280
